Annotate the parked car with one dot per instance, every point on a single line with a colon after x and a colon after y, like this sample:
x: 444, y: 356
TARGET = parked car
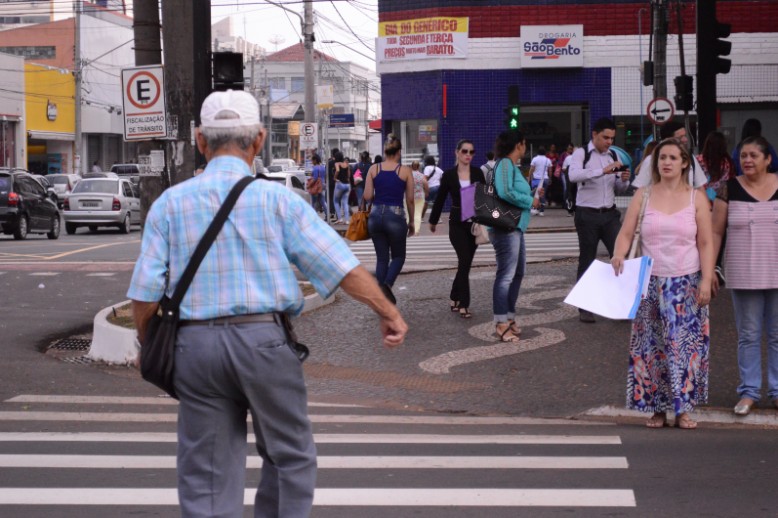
x: 63, y: 184
x: 294, y: 180
x: 285, y: 163
x: 52, y: 194
x: 129, y: 171
x: 101, y: 174
x: 102, y: 202
x: 25, y: 207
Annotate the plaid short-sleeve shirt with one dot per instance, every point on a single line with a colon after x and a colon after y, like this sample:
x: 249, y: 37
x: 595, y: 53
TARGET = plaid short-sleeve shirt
x: 249, y: 268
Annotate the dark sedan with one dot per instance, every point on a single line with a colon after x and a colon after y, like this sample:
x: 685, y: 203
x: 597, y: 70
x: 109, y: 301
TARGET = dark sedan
x: 25, y: 207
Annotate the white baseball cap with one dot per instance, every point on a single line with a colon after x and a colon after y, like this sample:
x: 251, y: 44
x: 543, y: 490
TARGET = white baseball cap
x: 240, y: 106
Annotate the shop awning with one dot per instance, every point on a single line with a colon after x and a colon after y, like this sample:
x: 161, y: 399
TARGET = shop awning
x: 50, y: 135
x: 375, y: 125
x: 284, y: 110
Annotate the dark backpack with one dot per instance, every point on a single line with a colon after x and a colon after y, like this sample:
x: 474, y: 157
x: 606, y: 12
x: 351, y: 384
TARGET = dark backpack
x: 572, y: 188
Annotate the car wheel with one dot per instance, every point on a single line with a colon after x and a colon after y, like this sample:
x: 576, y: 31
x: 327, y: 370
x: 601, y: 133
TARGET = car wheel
x: 93, y: 228
x: 70, y: 228
x: 21, y: 228
x: 54, y: 234
x: 126, y: 225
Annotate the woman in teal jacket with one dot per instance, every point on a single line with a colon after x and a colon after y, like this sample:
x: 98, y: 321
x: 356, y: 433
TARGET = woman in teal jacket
x: 509, y: 246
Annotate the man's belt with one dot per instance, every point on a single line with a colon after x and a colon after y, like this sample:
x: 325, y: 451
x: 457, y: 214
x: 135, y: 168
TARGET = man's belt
x: 599, y: 211
x: 235, y: 319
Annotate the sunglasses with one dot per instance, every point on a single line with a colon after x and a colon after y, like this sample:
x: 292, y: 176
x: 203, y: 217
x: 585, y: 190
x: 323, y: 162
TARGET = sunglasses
x: 467, y: 151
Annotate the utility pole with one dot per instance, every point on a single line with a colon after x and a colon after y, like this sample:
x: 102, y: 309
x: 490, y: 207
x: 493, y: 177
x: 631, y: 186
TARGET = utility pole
x: 659, y: 13
x: 187, y: 46
x: 310, y: 115
x: 78, y: 76
x: 148, y: 51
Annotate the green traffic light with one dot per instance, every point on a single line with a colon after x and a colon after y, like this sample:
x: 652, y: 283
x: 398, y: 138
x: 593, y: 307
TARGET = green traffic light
x: 515, y: 110
x: 514, y: 124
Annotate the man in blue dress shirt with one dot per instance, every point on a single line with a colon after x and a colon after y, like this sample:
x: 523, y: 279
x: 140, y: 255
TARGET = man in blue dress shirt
x: 233, y: 355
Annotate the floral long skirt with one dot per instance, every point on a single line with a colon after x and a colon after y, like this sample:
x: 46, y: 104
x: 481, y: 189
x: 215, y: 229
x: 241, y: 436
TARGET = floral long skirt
x: 669, y: 348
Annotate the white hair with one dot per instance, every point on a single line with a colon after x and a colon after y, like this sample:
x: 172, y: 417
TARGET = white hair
x: 241, y: 136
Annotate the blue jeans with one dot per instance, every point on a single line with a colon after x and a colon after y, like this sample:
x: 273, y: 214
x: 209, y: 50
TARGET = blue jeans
x: 389, y: 231
x: 534, y: 185
x: 340, y: 202
x: 756, y: 310
x: 511, y: 255
x: 433, y: 194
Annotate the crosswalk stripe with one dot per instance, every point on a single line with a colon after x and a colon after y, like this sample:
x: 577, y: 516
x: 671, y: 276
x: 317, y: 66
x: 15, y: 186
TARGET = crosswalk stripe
x: 161, y: 437
x: 124, y: 400
x: 44, y: 274
x: 367, y: 497
x: 100, y: 274
x: 315, y: 418
x: 324, y: 462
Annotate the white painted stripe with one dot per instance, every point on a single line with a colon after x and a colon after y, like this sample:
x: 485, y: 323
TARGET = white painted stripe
x: 100, y: 274
x: 364, y: 497
x: 315, y: 418
x: 120, y: 400
x: 43, y: 274
x: 161, y: 437
x: 324, y: 462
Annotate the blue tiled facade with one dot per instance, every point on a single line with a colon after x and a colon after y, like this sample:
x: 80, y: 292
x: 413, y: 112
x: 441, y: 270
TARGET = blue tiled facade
x: 476, y: 99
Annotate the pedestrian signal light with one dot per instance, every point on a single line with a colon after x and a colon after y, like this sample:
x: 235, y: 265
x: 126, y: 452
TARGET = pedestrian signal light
x: 513, y: 111
x: 684, y: 93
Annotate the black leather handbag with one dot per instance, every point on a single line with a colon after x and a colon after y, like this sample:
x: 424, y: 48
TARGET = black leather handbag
x: 490, y: 209
x: 157, y: 353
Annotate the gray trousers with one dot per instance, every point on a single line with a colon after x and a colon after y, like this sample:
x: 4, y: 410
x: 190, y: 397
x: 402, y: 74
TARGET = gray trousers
x: 222, y: 372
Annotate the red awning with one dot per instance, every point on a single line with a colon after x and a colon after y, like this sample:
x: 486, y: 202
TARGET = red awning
x: 375, y: 125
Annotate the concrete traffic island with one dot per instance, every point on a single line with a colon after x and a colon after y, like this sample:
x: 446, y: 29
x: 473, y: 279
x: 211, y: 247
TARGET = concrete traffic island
x: 116, y: 345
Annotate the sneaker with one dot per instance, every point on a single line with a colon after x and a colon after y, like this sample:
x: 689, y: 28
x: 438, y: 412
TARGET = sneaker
x: 541, y: 214
x: 534, y: 212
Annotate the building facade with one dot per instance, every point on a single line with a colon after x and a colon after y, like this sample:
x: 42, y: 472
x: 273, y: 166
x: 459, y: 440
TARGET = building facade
x: 279, y: 81
x: 446, y: 66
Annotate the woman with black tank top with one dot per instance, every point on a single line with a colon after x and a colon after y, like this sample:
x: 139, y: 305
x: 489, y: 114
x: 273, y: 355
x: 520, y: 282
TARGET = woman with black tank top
x: 342, y: 188
x: 463, y: 241
x: 387, y: 184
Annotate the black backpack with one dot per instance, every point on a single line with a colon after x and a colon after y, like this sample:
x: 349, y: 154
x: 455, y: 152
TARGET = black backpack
x: 572, y: 188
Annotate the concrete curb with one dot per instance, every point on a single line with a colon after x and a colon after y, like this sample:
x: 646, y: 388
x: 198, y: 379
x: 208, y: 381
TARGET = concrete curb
x: 114, y: 344
x: 718, y: 416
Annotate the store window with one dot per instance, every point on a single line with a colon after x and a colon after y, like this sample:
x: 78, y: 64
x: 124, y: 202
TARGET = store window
x: 419, y: 139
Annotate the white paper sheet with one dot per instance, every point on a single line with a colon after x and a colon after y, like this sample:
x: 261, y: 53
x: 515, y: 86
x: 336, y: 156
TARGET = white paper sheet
x: 600, y: 291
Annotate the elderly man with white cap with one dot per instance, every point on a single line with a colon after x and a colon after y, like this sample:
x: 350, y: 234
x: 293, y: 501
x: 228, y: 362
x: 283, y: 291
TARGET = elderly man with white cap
x: 233, y: 356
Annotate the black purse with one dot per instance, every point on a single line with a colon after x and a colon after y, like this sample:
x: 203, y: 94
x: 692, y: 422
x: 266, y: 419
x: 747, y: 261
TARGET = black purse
x: 491, y: 210
x: 157, y: 353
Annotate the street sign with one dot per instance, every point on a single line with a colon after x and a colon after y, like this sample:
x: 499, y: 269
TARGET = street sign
x: 660, y: 111
x: 308, y: 135
x: 143, y: 100
x: 342, y: 120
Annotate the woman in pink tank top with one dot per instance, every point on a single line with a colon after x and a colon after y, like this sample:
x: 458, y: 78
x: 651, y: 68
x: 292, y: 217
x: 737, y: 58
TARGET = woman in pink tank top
x: 670, y: 342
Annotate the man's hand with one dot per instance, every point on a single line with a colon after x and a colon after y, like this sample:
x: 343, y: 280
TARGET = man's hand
x: 394, y: 330
x: 613, y: 168
x: 361, y: 285
x: 411, y: 229
x: 625, y: 176
x: 432, y: 228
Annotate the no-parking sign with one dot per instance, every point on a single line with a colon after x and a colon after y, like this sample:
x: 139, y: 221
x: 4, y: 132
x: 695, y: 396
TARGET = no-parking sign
x: 143, y: 93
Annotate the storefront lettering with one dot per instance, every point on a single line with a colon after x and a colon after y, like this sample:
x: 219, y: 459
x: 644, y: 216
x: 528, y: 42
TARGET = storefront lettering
x: 551, y: 49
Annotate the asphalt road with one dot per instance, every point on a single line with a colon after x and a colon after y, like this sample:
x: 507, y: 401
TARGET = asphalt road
x: 448, y: 367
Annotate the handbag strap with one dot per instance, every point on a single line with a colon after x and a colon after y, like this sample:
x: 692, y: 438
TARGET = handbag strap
x: 207, y: 240
x: 636, y: 238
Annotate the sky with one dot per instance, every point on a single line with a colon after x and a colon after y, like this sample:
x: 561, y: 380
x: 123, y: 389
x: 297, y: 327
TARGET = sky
x: 274, y: 29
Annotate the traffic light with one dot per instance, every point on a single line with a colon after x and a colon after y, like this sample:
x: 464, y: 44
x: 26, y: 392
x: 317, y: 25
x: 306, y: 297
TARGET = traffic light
x: 710, y: 48
x: 684, y: 93
x: 512, y: 111
x: 228, y: 71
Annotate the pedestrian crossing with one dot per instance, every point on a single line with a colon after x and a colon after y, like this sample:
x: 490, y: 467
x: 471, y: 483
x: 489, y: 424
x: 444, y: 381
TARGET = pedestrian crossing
x: 435, y: 251
x: 112, y: 456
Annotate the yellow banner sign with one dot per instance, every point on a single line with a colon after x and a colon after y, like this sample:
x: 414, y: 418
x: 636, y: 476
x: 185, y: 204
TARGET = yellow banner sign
x: 423, y: 38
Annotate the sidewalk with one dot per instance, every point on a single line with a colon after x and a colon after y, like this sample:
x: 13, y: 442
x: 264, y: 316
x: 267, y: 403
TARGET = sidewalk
x: 556, y: 219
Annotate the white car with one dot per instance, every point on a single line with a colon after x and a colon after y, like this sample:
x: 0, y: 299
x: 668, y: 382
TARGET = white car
x: 285, y: 163
x: 102, y: 202
x: 293, y: 180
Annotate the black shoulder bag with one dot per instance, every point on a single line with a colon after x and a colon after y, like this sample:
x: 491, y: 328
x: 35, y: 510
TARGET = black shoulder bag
x: 158, y: 349
x: 490, y: 209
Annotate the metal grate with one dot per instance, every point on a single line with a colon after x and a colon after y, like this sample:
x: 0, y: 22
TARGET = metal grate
x: 71, y: 344
x: 81, y: 360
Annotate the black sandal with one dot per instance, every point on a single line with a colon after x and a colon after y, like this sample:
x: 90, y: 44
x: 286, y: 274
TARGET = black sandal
x: 454, y: 306
x: 512, y: 338
x: 465, y: 313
